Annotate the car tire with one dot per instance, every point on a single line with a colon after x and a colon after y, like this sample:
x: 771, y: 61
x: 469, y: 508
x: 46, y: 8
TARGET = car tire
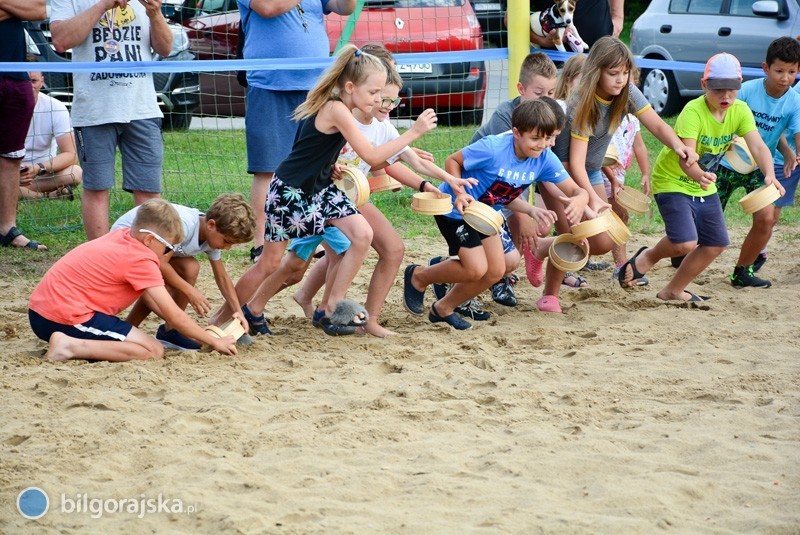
x: 178, y: 119
x: 661, y: 91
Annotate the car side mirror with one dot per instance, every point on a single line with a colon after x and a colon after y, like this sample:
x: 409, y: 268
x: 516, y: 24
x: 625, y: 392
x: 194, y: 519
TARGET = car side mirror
x: 768, y: 8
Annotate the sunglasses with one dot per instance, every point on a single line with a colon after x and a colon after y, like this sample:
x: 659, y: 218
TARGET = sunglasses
x: 387, y: 102
x: 168, y: 247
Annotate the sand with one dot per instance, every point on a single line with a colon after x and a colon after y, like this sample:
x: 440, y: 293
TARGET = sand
x: 624, y: 415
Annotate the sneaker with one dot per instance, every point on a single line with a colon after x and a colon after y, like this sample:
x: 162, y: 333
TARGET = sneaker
x: 439, y: 289
x: 743, y: 276
x: 503, y: 291
x: 258, y: 324
x: 172, y: 339
x: 473, y: 309
x: 761, y: 259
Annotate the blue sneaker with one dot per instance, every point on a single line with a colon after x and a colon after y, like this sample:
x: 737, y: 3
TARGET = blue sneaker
x: 172, y: 339
x: 258, y: 324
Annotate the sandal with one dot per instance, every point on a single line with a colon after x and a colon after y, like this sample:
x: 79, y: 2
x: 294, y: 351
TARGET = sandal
x: 258, y: 324
x: 6, y: 240
x: 347, y: 318
x: 576, y: 281
x: 637, y: 276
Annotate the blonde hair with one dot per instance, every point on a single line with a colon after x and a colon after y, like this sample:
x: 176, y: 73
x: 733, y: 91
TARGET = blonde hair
x: 571, y: 70
x: 161, y: 217
x: 383, y: 54
x: 234, y: 217
x: 536, y: 64
x: 606, y: 53
x: 351, y: 65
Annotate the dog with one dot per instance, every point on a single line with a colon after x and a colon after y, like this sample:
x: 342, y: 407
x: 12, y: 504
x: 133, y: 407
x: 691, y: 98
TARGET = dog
x: 559, y: 17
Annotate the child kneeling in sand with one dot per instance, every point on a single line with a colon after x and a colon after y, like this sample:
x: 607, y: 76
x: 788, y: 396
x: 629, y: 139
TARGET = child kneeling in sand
x: 229, y: 221
x: 504, y: 165
x: 75, y: 304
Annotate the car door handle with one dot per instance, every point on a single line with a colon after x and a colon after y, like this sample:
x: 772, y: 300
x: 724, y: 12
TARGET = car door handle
x: 724, y: 32
x: 666, y: 28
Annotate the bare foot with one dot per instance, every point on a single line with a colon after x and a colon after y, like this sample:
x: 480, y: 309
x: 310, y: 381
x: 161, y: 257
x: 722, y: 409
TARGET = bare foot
x: 374, y: 328
x: 59, y: 348
x: 308, y: 308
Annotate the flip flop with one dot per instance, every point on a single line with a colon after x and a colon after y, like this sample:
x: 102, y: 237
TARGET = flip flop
x: 696, y: 298
x: 454, y: 320
x: 549, y: 303
x: 533, y: 268
x: 636, y: 274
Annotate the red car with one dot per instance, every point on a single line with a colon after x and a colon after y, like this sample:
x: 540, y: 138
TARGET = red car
x: 455, y: 90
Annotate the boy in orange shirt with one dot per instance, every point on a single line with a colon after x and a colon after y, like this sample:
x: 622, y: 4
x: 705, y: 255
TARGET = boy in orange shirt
x: 75, y: 304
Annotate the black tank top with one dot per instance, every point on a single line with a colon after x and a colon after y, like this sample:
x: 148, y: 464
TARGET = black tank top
x: 12, y: 46
x: 310, y: 163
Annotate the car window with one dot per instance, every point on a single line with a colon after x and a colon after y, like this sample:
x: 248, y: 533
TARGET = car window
x: 211, y: 6
x: 696, y: 6
x: 742, y: 7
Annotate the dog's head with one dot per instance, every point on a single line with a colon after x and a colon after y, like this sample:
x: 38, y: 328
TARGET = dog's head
x: 565, y: 10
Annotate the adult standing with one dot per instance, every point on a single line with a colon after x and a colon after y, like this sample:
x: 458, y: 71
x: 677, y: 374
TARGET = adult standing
x: 111, y: 110
x: 16, y: 110
x: 279, y: 29
x: 593, y: 19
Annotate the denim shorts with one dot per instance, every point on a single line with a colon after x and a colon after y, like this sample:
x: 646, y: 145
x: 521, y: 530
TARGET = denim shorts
x: 596, y: 177
x: 142, y: 148
x: 693, y: 219
x: 789, y: 184
x: 269, y: 127
x: 99, y: 327
x: 305, y: 247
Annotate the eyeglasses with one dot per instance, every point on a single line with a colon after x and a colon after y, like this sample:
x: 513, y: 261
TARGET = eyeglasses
x: 168, y: 247
x: 387, y: 102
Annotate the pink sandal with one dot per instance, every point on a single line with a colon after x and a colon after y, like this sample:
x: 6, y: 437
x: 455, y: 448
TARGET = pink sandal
x: 549, y: 303
x: 533, y: 268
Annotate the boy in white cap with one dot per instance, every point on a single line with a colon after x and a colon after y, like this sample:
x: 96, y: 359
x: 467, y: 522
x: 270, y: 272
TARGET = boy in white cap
x: 687, y: 195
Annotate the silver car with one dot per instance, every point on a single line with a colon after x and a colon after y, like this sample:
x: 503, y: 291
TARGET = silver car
x: 695, y: 30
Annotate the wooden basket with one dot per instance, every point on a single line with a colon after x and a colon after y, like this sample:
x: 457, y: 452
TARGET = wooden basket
x: 618, y: 231
x: 633, y: 200
x: 232, y: 328
x: 611, y: 157
x: 760, y: 198
x: 354, y: 184
x: 591, y: 227
x: 739, y: 157
x: 431, y: 203
x: 383, y: 182
x: 568, y: 253
x: 483, y: 218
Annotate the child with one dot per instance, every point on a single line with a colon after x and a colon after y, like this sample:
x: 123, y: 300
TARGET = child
x: 603, y: 97
x: 686, y: 194
x: 302, y: 198
x: 228, y: 221
x: 627, y: 143
x: 775, y: 108
x: 537, y: 78
x: 570, y: 76
x: 505, y: 165
x: 75, y: 303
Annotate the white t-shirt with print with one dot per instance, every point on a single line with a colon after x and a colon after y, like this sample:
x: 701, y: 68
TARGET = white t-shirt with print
x: 50, y: 121
x: 378, y: 133
x: 622, y: 140
x: 121, y: 97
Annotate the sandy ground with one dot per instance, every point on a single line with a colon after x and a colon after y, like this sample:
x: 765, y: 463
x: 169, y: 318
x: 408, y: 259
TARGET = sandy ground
x: 624, y: 415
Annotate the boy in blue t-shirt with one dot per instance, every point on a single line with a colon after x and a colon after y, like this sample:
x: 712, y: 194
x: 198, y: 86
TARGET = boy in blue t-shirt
x: 775, y: 108
x: 504, y: 166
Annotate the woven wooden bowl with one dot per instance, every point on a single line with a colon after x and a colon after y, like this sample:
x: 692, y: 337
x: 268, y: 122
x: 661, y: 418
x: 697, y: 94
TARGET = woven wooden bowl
x: 633, y: 200
x: 232, y: 328
x: 591, y: 227
x: 483, y: 218
x: 567, y: 253
x: 618, y: 231
x: 760, y: 198
x: 739, y: 157
x: 431, y: 203
x: 384, y: 182
x: 354, y: 184
x: 611, y: 157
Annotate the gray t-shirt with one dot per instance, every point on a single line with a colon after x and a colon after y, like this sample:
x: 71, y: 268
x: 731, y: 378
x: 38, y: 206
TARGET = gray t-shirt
x: 598, y: 142
x: 102, y: 98
x: 190, y: 246
x: 499, y: 122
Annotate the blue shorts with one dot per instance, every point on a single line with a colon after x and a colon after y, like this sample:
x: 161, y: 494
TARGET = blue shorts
x: 505, y: 238
x: 693, y: 219
x: 789, y: 184
x: 305, y: 247
x: 141, y: 145
x: 99, y: 327
x: 269, y: 128
x: 596, y: 177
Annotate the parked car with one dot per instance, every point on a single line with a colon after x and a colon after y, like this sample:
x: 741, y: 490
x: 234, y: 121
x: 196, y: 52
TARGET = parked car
x: 178, y: 93
x: 456, y: 90
x: 490, y: 15
x: 693, y: 31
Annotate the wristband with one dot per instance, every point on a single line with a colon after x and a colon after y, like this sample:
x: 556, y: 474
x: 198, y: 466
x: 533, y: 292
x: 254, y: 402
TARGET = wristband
x: 422, y: 185
x: 42, y: 169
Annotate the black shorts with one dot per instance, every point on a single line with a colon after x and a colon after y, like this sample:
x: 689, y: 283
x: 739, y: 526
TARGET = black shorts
x: 458, y: 234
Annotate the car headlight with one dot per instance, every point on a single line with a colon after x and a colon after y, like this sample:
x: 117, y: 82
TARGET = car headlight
x: 180, y: 39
